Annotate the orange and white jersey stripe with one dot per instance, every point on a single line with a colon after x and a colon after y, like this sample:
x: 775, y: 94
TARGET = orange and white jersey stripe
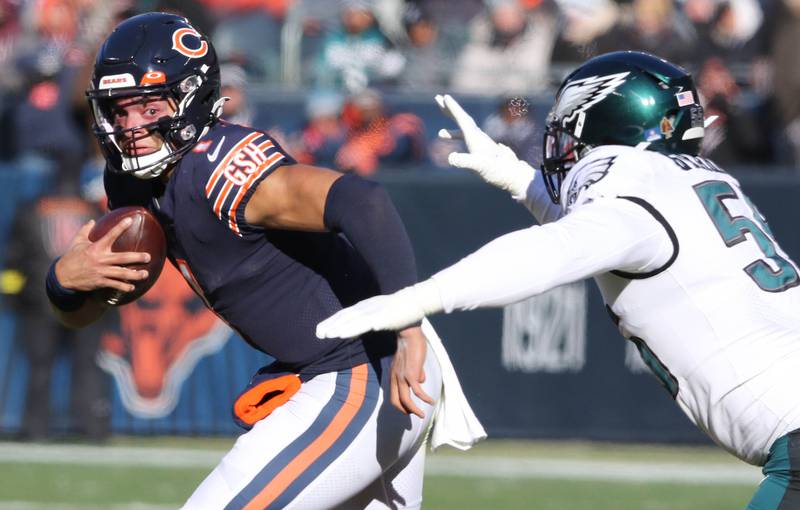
x: 238, y: 174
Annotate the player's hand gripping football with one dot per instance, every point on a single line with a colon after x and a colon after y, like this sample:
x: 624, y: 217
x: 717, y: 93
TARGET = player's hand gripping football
x: 88, y: 265
x: 494, y: 162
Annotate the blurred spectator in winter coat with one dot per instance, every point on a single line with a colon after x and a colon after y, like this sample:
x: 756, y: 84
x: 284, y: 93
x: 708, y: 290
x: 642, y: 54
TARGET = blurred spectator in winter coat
x: 779, y: 40
x: 508, y: 51
x: 324, y: 133
x: 429, y: 59
x: 376, y: 138
x: 357, y: 54
x: 46, y: 127
x: 245, y: 32
x: 9, y: 40
x: 450, y: 17
x: 233, y: 85
x: 722, y: 29
x: 737, y: 135
x: 42, y: 229
x: 651, y: 27
x: 581, y: 22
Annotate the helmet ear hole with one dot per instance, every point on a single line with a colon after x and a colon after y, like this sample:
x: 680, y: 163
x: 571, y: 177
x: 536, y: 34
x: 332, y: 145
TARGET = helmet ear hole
x: 189, y: 84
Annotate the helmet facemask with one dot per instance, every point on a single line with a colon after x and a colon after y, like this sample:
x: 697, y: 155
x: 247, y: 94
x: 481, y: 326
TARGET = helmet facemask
x: 176, y: 132
x: 561, y: 152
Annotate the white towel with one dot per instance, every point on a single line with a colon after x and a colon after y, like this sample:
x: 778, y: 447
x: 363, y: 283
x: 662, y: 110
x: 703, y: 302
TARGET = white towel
x: 454, y: 421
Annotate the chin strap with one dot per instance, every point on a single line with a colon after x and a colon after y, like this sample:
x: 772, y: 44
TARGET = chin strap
x: 149, y: 165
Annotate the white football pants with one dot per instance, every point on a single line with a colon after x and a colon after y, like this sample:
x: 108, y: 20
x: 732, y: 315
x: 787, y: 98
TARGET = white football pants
x: 337, y: 443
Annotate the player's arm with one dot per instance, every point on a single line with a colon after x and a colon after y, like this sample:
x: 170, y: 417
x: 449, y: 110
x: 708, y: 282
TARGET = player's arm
x: 302, y: 197
x: 605, y: 235
x: 495, y: 163
x: 88, y: 266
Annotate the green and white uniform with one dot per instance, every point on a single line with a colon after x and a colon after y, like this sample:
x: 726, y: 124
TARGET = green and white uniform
x: 720, y: 323
x: 690, y: 271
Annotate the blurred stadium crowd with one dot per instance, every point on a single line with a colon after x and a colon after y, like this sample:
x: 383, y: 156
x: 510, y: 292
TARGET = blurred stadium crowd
x: 346, y: 55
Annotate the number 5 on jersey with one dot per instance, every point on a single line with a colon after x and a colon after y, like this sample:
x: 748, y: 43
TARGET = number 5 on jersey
x: 732, y: 229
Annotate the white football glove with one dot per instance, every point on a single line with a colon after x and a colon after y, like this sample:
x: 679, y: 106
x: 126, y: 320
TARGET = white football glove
x: 393, y: 312
x: 494, y: 162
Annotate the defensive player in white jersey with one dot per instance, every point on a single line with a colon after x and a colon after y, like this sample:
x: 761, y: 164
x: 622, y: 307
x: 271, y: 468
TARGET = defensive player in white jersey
x: 687, y: 266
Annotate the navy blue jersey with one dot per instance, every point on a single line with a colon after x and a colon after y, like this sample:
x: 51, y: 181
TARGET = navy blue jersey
x: 271, y: 286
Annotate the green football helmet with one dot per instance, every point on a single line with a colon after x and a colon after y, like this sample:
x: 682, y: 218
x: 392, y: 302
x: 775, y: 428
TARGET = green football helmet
x: 621, y: 98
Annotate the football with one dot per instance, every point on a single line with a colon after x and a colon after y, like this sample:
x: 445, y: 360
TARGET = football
x: 145, y: 234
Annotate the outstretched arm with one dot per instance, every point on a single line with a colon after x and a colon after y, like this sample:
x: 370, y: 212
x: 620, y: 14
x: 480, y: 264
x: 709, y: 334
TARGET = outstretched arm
x: 302, y: 197
x: 596, y: 238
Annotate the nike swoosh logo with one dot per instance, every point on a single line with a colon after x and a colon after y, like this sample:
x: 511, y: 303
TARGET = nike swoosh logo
x: 213, y: 156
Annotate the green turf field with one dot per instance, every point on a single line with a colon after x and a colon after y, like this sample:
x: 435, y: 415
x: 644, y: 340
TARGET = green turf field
x: 157, y: 474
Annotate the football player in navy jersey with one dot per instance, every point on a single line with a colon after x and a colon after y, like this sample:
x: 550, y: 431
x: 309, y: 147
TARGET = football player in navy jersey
x: 257, y: 236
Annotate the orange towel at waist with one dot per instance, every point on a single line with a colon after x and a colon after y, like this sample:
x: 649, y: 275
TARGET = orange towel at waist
x: 259, y: 400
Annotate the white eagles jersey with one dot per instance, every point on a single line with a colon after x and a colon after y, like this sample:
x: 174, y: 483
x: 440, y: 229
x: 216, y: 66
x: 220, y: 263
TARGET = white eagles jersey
x: 719, y: 321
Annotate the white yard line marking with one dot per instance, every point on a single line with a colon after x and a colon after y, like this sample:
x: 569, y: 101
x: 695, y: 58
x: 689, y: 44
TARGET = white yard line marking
x: 109, y: 455
x: 466, y: 465
x: 594, y: 470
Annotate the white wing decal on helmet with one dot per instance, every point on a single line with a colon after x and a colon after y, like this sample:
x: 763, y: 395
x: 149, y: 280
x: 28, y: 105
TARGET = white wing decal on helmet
x: 581, y: 94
